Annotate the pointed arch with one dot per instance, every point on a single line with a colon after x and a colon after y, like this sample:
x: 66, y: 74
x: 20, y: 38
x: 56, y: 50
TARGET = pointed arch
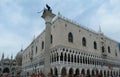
x: 109, y: 49
x: 61, y: 57
x: 52, y: 57
x: 83, y: 71
x: 75, y: 58
x: 103, y: 49
x: 88, y: 72
x: 68, y: 57
x: 93, y: 73
x: 70, y: 37
x: 65, y: 57
x: 51, y: 71
x: 6, y: 70
x: 56, y: 71
x: 57, y: 57
x: 63, y: 71
x: 84, y: 41
x: 77, y: 72
x: 72, y: 58
x: 81, y: 59
x: 95, y: 45
x: 71, y: 71
x: 42, y: 44
x: 51, y: 39
x: 78, y: 59
x: 36, y: 49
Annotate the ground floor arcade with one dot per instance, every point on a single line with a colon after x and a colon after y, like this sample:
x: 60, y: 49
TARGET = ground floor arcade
x: 66, y: 61
x: 63, y: 71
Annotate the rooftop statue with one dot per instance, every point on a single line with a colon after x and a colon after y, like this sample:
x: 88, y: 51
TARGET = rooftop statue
x: 48, y: 7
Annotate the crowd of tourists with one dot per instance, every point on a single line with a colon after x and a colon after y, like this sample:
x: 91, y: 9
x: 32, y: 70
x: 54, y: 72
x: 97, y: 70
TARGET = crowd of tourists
x: 50, y: 75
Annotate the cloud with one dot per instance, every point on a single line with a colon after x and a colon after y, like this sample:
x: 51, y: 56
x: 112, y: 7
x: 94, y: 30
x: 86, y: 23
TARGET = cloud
x: 15, y: 25
x: 107, y: 16
x: 19, y: 20
x: 102, y: 13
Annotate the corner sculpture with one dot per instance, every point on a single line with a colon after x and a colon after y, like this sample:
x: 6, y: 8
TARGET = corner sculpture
x: 48, y: 7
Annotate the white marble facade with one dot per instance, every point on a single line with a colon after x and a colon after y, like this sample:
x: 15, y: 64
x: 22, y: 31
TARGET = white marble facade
x: 73, y: 49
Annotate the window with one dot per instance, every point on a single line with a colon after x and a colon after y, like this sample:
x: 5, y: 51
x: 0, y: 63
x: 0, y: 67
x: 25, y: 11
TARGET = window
x: 95, y: 45
x: 32, y: 51
x: 78, y: 59
x: 84, y: 41
x: 52, y: 57
x: 65, y: 57
x: 42, y: 44
x: 115, y: 53
x: 36, y: 49
x: 57, y: 57
x: 51, y: 39
x: 103, y: 49
x: 70, y: 37
x: 65, y: 25
x: 109, y: 49
x: 61, y: 57
x: 72, y: 58
x: 68, y: 57
x: 75, y: 58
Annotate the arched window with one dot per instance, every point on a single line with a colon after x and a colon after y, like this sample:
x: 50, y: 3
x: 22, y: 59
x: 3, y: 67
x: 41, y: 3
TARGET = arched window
x: 61, y: 57
x: 81, y: 59
x: 52, y: 57
x: 70, y: 37
x: 75, y: 58
x: 103, y: 49
x: 68, y: 57
x: 78, y: 59
x: 88, y: 61
x: 42, y: 44
x: 65, y: 57
x: 36, y: 49
x: 95, y: 45
x: 72, y: 58
x: 84, y: 41
x: 57, y: 57
x: 109, y: 49
x: 115, y: 53
x: 51, y: 39
x: 31, y: 52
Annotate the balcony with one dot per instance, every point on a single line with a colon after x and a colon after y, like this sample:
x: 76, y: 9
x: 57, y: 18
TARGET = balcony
x: 104, y: 54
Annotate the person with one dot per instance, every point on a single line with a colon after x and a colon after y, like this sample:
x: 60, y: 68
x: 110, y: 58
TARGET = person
x: 49, y: 75
x: 33, y: 75
x: 28, y: 75
x: 5, y: 75
x: 41, y: 74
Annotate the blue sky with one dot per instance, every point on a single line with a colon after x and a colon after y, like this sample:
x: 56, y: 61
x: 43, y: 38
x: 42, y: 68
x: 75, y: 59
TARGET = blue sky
x: 19, y: 20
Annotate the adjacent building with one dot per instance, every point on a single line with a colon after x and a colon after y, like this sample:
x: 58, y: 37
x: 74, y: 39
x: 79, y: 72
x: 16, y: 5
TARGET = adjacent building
x: 67, y: 48
x: 10, y: 65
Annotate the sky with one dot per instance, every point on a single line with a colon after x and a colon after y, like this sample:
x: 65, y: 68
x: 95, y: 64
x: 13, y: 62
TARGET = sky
x: 20, y: 22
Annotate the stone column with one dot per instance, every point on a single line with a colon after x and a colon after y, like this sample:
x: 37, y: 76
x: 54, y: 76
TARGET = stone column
x: 59, y: 72
x: 47, y: 16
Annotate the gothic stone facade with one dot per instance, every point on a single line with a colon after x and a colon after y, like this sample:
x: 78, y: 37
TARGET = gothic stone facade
x: 8, y: 66
x: 73, y: 49
x: 11, y: 66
